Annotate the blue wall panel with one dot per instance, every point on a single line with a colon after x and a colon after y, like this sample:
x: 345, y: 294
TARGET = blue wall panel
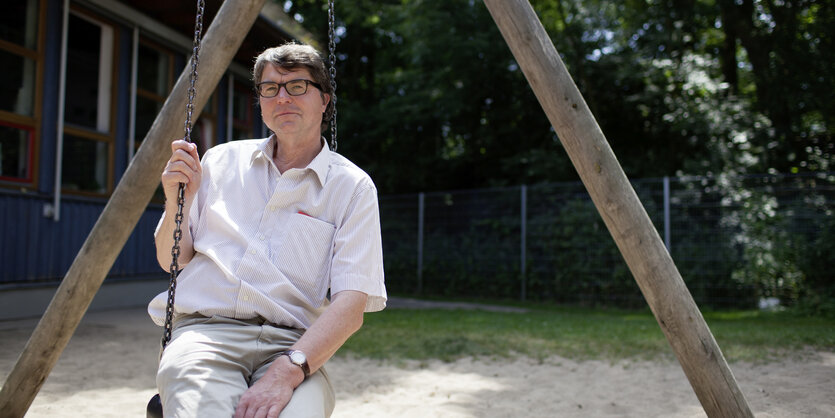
x: 36, y: 249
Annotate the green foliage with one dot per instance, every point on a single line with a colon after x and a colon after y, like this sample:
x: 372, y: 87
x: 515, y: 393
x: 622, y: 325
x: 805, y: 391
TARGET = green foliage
x: 574, y: 259
x: 768, y: 257
x: 782, y: 231
x: 703, y: 245
x: 474, y: 248
x: 816, y: 256
x: 430, y: 98
x: 733, y: 239
x: 787, y: 60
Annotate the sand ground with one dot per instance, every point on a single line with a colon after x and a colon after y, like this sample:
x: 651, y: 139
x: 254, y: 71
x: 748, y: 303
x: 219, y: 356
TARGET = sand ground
x: 108, y: 370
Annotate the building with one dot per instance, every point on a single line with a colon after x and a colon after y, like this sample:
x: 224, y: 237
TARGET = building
x: 83, y: 81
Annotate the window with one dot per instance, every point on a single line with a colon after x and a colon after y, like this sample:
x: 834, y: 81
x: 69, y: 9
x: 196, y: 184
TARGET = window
x: 19, y: 64
x: 15, y: 151
x: 89, y: 74
x: 154, y: 80
x: 17, y: 86
x: 88, y: 131
x: 203, y: 132
x: 243, y: 103
x: 86, y: 164
x: 19, y: 23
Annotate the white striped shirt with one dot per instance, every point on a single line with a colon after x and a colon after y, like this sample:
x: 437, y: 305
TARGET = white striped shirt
x: 271, y: 245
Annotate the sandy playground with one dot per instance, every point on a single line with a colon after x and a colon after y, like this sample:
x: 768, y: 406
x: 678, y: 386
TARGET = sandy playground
x: 108, y: 371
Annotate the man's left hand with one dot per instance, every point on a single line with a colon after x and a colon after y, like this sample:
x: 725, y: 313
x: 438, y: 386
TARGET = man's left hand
x: 270, y: 394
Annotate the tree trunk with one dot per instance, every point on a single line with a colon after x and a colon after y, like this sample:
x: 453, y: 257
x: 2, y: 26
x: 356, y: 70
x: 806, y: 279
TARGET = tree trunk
x: 727, y: 53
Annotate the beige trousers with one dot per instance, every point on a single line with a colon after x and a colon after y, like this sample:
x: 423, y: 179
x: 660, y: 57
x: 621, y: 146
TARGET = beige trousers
x: 210, y: 363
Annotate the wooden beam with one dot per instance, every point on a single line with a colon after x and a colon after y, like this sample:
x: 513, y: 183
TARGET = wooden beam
x: 123, y: 211
x: 621, y: 210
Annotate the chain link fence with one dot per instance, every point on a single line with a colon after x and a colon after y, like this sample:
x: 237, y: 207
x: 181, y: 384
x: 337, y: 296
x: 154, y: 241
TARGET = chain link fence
x: 735, y: 240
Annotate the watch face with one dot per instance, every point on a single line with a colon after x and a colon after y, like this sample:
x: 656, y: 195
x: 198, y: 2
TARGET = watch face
x: 298, y: 357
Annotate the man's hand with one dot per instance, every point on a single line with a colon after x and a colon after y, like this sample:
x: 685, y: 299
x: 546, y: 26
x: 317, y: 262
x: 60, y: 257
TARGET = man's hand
x: 270, y: 394
x: 183, y: 167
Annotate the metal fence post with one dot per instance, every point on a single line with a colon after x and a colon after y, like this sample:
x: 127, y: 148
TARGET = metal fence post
x: 421, y: 207
x: 524, y: 234
x: 667, y: 213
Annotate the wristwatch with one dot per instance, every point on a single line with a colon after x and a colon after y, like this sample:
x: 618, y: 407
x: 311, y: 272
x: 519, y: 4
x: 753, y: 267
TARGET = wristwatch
x: 298, y: 358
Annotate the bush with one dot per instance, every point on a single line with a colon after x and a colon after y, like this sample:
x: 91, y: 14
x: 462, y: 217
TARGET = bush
x: 816, y: 259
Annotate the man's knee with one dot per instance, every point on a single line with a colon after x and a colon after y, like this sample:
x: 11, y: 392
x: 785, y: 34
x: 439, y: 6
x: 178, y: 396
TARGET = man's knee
x: 196, y: 378
x: 314, y: 398
x: 198, y: 393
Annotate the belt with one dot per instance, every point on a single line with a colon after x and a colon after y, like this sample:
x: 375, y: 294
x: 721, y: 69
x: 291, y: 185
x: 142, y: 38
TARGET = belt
x: 257, y: 321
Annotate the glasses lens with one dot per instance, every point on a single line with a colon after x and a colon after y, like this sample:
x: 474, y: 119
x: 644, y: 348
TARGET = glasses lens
x: 268, y: 89
x: 296, y: 87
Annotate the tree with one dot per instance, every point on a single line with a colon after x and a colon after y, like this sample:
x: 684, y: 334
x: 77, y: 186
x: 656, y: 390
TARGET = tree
x: 788, y: 49
x: 430, y: 97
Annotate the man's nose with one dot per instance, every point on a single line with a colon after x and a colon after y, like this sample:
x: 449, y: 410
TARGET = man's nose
x: 283, y: 94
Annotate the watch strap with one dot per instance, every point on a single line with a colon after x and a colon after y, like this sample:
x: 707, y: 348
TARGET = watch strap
x: 304, y: 366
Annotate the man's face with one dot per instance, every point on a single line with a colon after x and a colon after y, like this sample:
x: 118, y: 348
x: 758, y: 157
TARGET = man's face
x: 288, y: 115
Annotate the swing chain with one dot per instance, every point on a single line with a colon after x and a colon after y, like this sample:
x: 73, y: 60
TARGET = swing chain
x: 174, y: 269
x: 195, y: 58
x: 178, y: 218
x: 332, y: 59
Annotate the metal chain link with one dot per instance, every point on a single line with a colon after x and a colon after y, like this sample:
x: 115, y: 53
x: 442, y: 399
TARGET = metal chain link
x: 195, y: 59
x: 178, y: 218
x: 332, y: 59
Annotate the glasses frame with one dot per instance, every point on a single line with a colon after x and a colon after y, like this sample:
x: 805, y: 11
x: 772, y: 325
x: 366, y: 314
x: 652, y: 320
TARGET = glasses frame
x: 307, y: 84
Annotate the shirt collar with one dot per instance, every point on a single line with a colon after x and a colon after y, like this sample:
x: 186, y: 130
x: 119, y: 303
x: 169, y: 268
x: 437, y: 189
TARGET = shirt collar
x: 263, y: 150
x: 320, y: 164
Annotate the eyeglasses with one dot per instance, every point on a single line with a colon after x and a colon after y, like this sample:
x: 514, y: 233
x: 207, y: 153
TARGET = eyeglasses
x: 298, y: 87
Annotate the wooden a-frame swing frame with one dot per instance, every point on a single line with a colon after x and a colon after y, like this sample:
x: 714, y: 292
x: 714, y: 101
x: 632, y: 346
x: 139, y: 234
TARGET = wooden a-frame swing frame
x: 613, y: 196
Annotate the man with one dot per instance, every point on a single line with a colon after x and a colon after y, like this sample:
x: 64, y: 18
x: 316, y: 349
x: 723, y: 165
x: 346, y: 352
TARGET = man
x: 271, y: 228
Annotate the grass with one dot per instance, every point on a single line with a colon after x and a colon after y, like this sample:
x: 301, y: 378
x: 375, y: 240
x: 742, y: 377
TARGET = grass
x: 577, y: 333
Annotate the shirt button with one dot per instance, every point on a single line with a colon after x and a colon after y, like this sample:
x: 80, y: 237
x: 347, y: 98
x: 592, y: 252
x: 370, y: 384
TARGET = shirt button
x: 246, y: 298
x: 262, y: 237
x: 272, y: 208
x: 252, y: 251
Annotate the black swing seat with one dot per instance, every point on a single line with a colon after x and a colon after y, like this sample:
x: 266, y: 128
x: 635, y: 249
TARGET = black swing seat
x: 154, y: 409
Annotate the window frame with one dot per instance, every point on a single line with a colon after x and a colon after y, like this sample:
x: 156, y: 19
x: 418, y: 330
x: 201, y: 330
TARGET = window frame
x: 29, y: 123
x: 92, y: 134
x: 148, y: 42
x: 208, y: 116
x: 30, y: 157
x: 247, y: 125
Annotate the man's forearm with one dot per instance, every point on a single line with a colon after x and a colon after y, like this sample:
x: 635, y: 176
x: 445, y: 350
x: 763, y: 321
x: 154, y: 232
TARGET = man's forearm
x: 164, y: 239
x: 339, y: 321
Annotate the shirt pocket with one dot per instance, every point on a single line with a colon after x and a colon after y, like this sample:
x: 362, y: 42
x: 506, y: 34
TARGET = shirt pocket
x: 303, y: 254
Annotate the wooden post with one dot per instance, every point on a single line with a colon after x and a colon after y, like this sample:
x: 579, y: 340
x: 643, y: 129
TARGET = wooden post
x: 122, y: 212
x: 621, y: 210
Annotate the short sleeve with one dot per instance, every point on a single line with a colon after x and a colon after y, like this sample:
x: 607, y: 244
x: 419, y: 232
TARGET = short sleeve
x: 358, y: 253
